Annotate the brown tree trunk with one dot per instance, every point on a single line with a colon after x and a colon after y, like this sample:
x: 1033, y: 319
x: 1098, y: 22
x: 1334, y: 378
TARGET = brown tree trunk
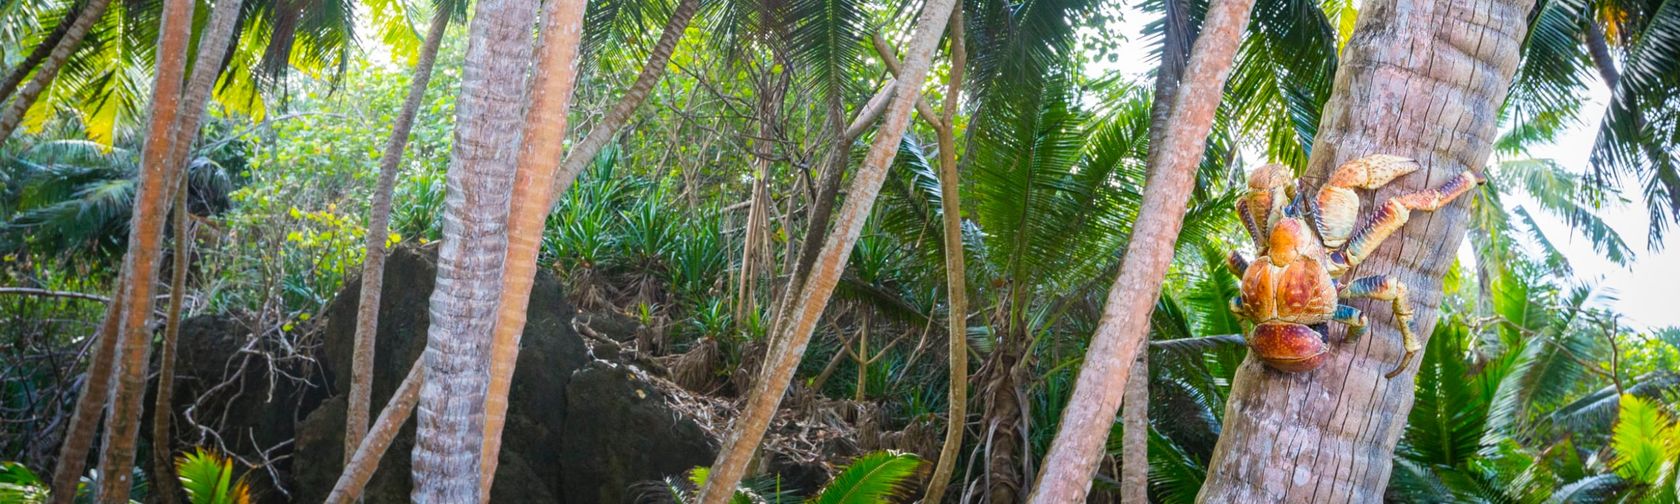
x: 601, y: 134
x: 144, y: 246
x: 1422, y: 79
x: 1134, y: 443
x: 772, y: 383
x: 489, y: 121
x: 956, y: 281
x: 40, y: 53
x: 90, y: 405
x: 365, y: 460
x: 167, y: 489
x: 378, y: 231
x: 543, y: 141
x: 13, y: 116
x: 1124, y: 326
x: 213, y: 44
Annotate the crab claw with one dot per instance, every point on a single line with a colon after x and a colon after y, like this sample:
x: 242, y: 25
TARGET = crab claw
x: 1291, y: 348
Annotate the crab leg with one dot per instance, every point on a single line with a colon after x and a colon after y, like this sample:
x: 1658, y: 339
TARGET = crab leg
x: 1388, y: 288
x: 1351, y: 317
x: 1236, y: 263
x: 1337, y: 206
x: 1388, y: 217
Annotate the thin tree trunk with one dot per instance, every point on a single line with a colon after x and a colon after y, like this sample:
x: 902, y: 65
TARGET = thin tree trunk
x: 13, y: 116
x: 601, y: 134
x: 365, y: 460
x: 748, y: 430
x: 1124, y: 326
x: 40, y: 53
x: 1134, y: 442
x: 144, y: 246
x: 163, y: 471
x: 212, y: 50
x: 489, y: 121
x: 84, y: 420
x: 1175, y: 55
x: 535, y: 183
x: 1600, y: 53
x: 956, y: 281
x: 1422, y: 79
x: 378, y: 232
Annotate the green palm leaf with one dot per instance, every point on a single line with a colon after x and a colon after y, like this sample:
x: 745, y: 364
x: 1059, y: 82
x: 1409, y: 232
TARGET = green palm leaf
x: 873, y: 478
x: 208, y: 479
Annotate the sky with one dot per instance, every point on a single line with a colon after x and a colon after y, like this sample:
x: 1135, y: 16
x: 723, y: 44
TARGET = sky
x: 1646, y: 292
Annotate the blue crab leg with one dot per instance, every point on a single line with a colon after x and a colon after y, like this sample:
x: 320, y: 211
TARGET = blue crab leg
x: 1388, y: 288
x: 1351, y: 317
x: 1388, y: 217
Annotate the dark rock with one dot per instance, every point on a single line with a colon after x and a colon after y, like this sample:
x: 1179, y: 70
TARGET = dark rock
x: 530, y: 469
x: 622, y: 431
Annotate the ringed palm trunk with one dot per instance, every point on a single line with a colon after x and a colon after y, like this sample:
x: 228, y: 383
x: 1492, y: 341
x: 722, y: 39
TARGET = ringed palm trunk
x: 378, y: 231
x: 766, y: 395
x: 489, y: 118
x: 956, y: 281
x: 13, y: 116
x: 1422, y: 79
x: 1124, y: 326
x: 601, y: 134
x: 90, y: 405
x: 144, y: 246
x: 213, y: 45
x: 535, y: 182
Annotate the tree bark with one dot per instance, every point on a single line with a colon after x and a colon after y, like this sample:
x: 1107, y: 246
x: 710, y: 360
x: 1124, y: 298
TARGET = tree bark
x: 535, y: 183
x: 489, y: 120
x: 212, y: 50
x: 749, y: 427
x: 13, y: 116
x: 163, y: 471
x: 378, y: 232
x: 1599, y: 51
x: 659, y: 58
x: 956, y: 281
x: 144, y: 246
x: 1134, y: 442
x: 84, y: 420
x: 1422, y: 79
x: 40, y: 52
x: 1124, y: 326
x: 365, y: 460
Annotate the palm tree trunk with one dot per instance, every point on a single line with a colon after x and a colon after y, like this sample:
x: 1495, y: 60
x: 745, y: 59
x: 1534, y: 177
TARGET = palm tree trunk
x: 535, y: 182
x: 1175, y: 55
x: 144, y: 243
x: 40, y: 53
x: 1124, y: 326
x: 213, y: 44
x: 13, y: 116
x: 1422, y: 79
x: 163, y: 471
x: 956, y: 281
x: 599, y: 136
x: 378, y: 231
x: 84, y: 420
x: 489, y: 121
x: 1599, y: 50
x: 749, y: 427
x: 365, y: 460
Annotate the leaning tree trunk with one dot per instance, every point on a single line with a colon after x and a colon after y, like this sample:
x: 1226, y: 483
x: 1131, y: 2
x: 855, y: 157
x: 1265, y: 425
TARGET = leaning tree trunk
x: 145, y: 239
x: 659, y: 58
x: 956, y: 281
x: 489, y: 119
x: 378, y: 231
x: 1422, y: 79
x: 365, y: 459
x: 543, y: 141
x: 15, y: 77
x: 13, y: 116
x: 1124, y: 326
x: 212, y: 50
x: 90, y: 405
x: 772, y: 383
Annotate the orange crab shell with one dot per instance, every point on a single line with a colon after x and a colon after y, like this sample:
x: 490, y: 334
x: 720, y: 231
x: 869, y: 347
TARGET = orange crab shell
x: 1287, y: 347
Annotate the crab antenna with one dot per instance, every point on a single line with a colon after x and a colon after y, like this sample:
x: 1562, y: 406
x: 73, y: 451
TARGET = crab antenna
x: 1294, y: 209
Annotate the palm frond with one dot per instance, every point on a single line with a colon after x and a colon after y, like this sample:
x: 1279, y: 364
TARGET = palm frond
x: 872, y: 478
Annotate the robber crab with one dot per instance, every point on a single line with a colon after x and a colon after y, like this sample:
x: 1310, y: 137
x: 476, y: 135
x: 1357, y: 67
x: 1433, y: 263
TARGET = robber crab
x: 1293, y: 290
